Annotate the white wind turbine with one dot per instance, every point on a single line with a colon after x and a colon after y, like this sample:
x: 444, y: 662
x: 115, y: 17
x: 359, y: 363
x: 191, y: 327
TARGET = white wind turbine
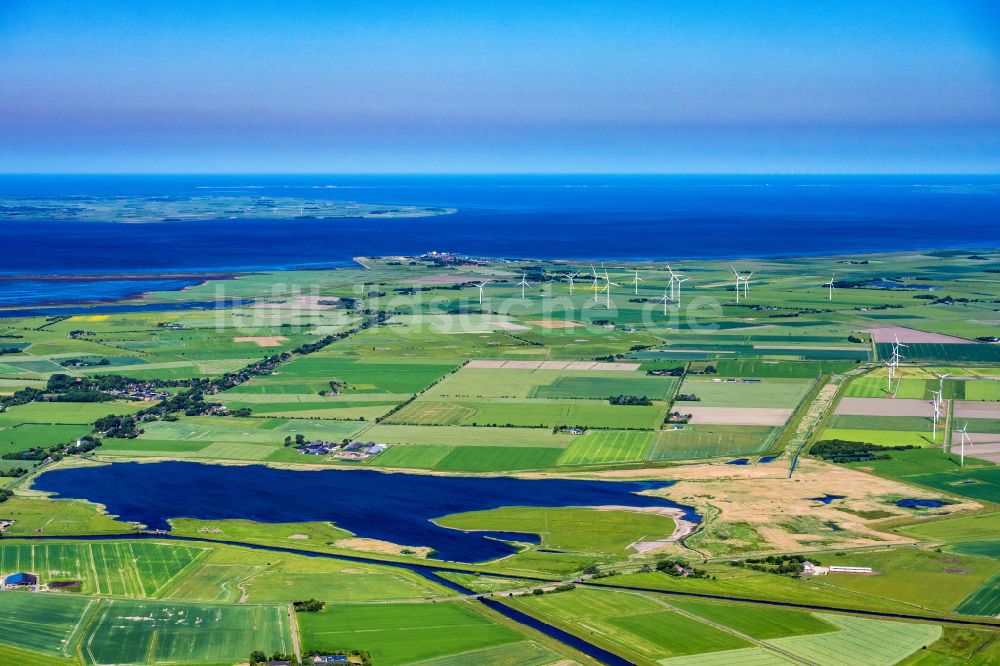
x: 607, y: 288
x: 940, y: 393
x: 937, y: 415
x: 523, y: 283
x: 830, y: 285
x: 571, y: 278
x: 596, y: 280
x: 665, y: 300
x: 745, y: 281
x: 636, y: 280
x: 961, y: 450
x: 481, y: 285
x: 680, y: 280
x: 674, y: 279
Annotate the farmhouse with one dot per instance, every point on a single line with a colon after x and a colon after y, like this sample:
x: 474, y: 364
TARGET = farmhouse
x: 330, y: 659
x: 318, y: 448
x: 20, y: 580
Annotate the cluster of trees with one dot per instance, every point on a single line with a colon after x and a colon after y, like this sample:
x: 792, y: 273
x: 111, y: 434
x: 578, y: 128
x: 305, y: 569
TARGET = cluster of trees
x: 83, y: 363
x: 5, y: 495
x: 777, y: 564
x: 10, y: 350
x: 118, y: 426
x: 687, y: 397
x: 677, y: 371
x: 630, y: 400
x: 842, y: 450
x: 308, y: 606
x: 678, y: 567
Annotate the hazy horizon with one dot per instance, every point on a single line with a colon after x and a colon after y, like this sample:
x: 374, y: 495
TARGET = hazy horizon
x: 444, y: 87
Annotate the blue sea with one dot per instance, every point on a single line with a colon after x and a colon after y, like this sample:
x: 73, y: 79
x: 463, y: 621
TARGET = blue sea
x: 572, y: 217
x: 370, y: 504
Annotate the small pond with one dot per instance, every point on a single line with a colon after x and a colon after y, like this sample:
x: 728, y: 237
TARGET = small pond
x: 919, y: 503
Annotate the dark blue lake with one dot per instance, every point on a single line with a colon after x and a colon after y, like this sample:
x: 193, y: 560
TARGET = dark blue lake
x: 542, y: 216
x: 919, y: 503
x: 391, y: 507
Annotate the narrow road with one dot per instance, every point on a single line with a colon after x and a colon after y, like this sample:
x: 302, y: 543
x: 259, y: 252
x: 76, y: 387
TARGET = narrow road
x: 293, y: 624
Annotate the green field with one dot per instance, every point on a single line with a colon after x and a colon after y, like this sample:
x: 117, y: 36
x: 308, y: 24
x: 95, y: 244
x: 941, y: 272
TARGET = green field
x: 596, y: 447
x: 45, y: 623
x: 882, y: 643
x: 710, y: 441
x: 404, y: 633
x: 132, y: 569
x: 570, y: 529
x: 771, y: 392
x: 529, y: 413
x: 637, y: 627
x: 152, y: 632
x: 984, y: 601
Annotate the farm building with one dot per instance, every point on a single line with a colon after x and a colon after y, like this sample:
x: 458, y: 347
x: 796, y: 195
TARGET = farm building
x: 852, y: 570
x: 330, y: 659
x: 21, y: 580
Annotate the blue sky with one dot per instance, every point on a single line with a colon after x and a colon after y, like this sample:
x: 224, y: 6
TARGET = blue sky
x: 369, y: 86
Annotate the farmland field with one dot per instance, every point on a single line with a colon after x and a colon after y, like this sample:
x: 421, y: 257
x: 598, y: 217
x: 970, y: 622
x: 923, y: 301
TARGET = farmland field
x: 529, y: 413
x: 44, y: 623
x: 883, y: 643
x: 984, y: 601
x: 404, y: 633
x: 570, y: 529
x: 710, y: 441
x: 136, y: 569
x: 772, y: 392
x: 153, y: 632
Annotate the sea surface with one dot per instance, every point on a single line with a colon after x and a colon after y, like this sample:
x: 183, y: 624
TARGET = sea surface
x: 370, y: 504
x: 572, y: 217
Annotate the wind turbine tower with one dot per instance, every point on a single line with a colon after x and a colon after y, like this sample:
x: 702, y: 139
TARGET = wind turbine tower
x: 743, y: 280
x: 636, y: 280
x: 523, y: 283
x: 571, y: 278
x: 961, y: 450
x: 607, y: 288
x: 937, y: 415
x: 481, y: 285
x: 830, y: 285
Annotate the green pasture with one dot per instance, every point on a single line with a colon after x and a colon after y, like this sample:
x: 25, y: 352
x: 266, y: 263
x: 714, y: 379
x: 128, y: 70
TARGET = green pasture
x: 884, y: 437
x: 597, y: 447
x: 711, y: 441
x: 771, y: 392
x: 638, y: 628
x: 738, y: 367
x: 976, y: 528
x: 35, y: 515
x: 762, y: 623
x: 883, y: 643
x: 131, y: 569
x: 529, y: 413
x: 984, y: 601
x: 915, y: 578
x: 45, y: 623
x: 156, y: 632
x: 404, y: 633
x: 577, y: 530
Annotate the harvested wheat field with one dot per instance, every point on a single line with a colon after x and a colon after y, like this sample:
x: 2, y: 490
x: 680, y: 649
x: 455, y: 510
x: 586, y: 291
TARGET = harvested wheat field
x: 264, y: 340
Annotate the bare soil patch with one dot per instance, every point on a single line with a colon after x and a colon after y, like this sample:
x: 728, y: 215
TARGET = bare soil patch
x: 885, y: 407
x: 264, y: 340
x: 510, y: 326
x: 888, y: 334
x: 764, y: 416
x: 967, y: 409
x: 555, y: 324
